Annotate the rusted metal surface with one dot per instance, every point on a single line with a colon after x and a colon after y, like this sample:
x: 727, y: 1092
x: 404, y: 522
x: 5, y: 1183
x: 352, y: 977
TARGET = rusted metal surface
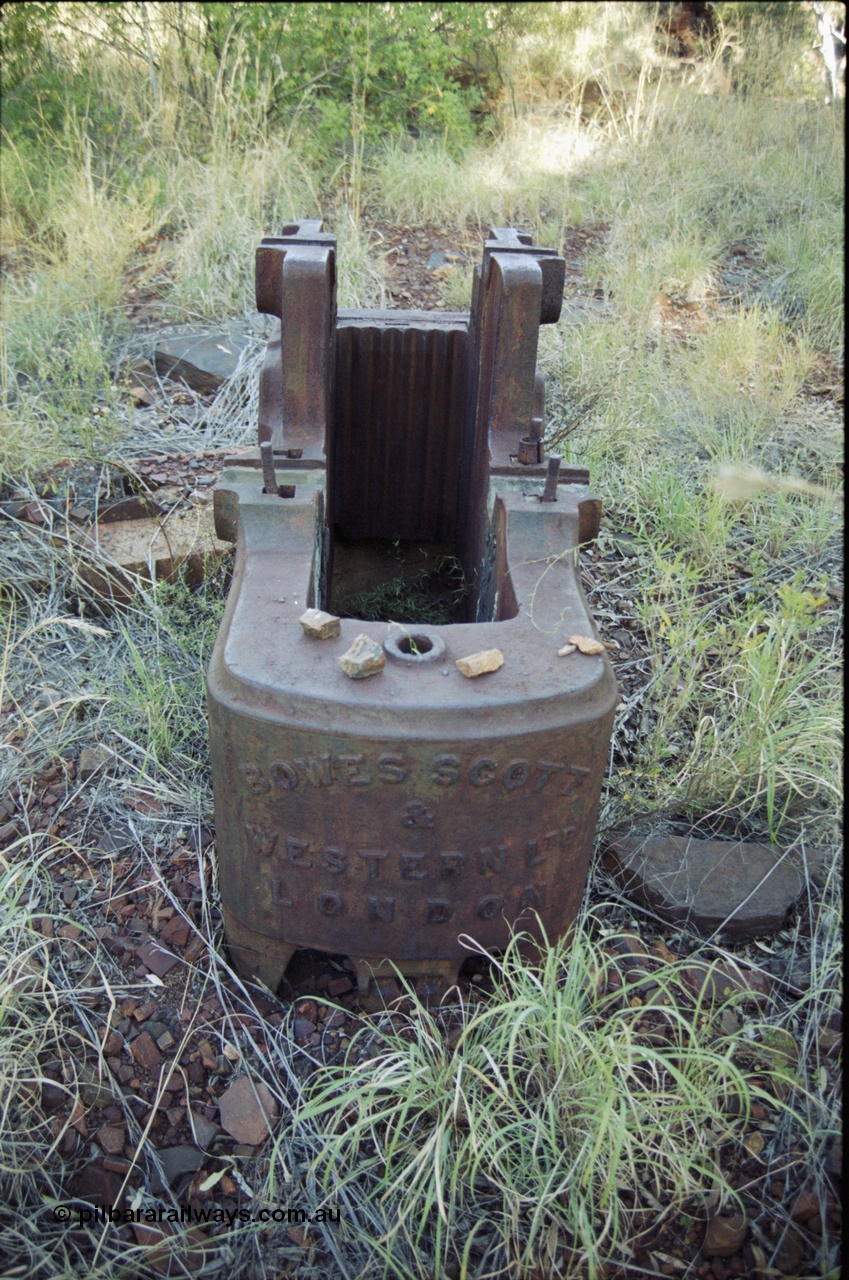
x: 385, y: 819
x: 549, y: 493
x: 269, y: 479
x: 399, y: 425
x: 296, y: 276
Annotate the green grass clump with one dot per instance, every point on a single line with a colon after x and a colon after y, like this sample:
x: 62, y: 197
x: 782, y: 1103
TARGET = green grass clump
x: 152, y: 682
x: 62, y: 318
x: 220, y: 207
x: 539, y: 1133
x: 740, y: 720
x: 428, y: 596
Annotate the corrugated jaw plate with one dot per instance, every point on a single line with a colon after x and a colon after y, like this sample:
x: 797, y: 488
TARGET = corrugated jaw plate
x: 385, y: 818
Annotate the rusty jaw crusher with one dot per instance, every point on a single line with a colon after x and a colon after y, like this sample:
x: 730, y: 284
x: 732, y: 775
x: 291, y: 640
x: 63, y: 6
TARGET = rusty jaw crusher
x: 385, y: 818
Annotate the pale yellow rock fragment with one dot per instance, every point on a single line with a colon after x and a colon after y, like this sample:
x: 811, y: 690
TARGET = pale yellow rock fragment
x: 364, y: 658
x: 478, y: 664
x: 319, y: 625
x: 566, y: 650
x: 587, y: 644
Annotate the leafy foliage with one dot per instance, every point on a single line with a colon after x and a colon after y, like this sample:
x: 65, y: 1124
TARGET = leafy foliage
x: 423, y: 68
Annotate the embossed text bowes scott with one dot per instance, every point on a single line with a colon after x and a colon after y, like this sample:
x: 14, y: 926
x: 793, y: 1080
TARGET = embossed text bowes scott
x: 444, y: 770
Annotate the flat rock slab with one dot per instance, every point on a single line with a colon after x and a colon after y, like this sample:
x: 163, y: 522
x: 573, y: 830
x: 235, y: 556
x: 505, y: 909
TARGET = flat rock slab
x: 202, y: 360
x: 182, y: 542
x: 249, y: 1111
x: 743, y: 889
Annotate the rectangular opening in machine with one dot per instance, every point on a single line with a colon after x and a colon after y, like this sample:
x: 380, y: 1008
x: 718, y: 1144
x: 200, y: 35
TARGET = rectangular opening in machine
x: 395, y: 580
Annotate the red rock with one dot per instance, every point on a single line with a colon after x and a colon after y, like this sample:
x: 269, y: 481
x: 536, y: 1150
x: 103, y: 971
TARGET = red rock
x: 339, y: 986
x: 145, y: 1051
x: 805, y: 1206
x: 660, y: 949
x: 175, y: 931
x: 791, y: 1251
x: 33, y: 514
x: 144, y: 802
x: 249, y: 1111
x: 207, y: 1055
x: 95, y: 760
x: 113, y: 1042
x: 719, y: 982
x: 111, y: 1139
x: 78, y: 1119
x: 630, y: 948
x: 156, y: 959
x: 724, y: 1236
x: 195, y: 949
x: 97, y: 1185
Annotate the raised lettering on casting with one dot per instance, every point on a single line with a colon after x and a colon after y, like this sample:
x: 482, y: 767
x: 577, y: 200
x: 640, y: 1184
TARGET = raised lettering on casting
x: 344, y: 771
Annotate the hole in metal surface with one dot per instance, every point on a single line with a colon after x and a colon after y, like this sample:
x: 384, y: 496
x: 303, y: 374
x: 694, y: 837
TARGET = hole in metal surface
x: 415, y: 645
x: 412, y: 647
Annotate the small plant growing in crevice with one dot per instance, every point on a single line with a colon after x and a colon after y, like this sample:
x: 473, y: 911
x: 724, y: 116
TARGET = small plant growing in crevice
x: 432, y: 596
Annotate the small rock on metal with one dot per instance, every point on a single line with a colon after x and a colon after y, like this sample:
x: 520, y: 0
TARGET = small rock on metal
x: 478, y: 664
x: 587, y: 644
x: 364, y: 658
x: 319, y: 625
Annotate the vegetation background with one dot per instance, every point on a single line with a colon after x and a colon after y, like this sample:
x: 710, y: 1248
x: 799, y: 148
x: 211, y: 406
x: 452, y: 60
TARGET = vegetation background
x: 151, y: 145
